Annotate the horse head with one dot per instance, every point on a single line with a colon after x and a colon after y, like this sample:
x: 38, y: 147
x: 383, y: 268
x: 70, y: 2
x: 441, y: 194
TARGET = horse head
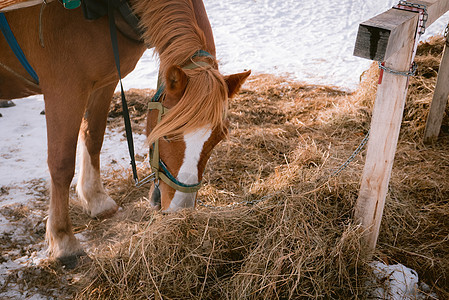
x: 186, y: 120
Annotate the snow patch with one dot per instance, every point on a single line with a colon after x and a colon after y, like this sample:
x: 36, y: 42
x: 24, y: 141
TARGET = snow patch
x: 396, y: 282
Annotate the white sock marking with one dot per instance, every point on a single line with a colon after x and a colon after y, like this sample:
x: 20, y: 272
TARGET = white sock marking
x: 90, y: 189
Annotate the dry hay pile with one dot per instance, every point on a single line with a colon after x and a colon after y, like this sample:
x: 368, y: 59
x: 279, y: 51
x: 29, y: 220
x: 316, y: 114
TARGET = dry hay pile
x: 298, y: 240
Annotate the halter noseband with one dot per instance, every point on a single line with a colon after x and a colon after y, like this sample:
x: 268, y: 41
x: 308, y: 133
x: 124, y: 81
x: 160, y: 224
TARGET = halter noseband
x: 158, y: 167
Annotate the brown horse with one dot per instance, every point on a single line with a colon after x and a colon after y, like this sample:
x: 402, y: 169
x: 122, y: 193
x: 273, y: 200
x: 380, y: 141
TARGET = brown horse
x: 78, y: 78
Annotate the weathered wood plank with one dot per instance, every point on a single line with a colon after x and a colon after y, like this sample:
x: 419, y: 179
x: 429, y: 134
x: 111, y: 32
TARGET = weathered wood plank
x: 439, y: 101
x: 382, y: 144
x: 382, y: 36
x: 435, y: 9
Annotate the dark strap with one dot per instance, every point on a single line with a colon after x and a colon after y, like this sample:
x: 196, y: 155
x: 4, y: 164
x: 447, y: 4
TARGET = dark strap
x: 130, y: 18
x: 128, y: 129
x: 12, y: 42
x: 94, y: 9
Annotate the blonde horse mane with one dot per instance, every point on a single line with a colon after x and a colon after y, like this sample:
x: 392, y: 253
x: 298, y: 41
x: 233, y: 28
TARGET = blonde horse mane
x: 171, y: 27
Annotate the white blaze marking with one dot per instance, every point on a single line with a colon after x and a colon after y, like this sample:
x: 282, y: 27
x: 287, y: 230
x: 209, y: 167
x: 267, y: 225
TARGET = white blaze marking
x: 188, y: 173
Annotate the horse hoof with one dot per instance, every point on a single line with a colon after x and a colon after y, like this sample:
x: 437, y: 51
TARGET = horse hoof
x: 107, y: 213
x: 70, y: 262
x: 155, y: 207
x: 7, y: 103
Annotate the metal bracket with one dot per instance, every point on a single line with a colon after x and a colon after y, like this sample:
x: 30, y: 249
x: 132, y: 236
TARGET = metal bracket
x: 419, y: 8
x: 423, y: 17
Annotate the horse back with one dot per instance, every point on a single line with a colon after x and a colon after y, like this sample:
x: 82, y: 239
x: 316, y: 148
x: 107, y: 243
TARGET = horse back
x: 64, y: 49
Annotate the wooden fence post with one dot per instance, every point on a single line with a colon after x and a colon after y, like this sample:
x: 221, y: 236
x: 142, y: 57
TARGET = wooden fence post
x: 388, y: 37
x: 439, y: 100
x: 385, y: 126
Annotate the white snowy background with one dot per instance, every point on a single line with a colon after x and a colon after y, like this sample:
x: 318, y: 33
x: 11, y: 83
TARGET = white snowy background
x: 306, y: 40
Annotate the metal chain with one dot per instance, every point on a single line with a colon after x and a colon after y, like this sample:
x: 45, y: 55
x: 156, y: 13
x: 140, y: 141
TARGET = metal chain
x: 417, y: 7
x: 424, y: 16
x: 335, y: 173
x: 410, y: 73
x: 147, y: 179
x: 152, y: 177
x: 353, y: 155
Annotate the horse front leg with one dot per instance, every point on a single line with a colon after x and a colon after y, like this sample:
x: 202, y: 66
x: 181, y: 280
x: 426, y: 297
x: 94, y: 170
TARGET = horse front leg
x: 94, y: 199
x: 64, y: 111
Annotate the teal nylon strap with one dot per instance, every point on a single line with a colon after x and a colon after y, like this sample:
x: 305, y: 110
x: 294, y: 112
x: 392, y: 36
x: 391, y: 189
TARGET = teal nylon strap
x: 169, y: 179
x: 71, y: 4
x: 158, y: 166
x: 202, y: 53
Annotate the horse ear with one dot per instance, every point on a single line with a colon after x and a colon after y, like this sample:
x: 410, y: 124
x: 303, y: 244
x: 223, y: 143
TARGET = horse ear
x: 235, y: 81
x: 176, y: 81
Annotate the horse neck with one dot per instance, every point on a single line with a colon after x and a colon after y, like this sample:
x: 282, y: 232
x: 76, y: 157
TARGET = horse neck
x: 171, y: 27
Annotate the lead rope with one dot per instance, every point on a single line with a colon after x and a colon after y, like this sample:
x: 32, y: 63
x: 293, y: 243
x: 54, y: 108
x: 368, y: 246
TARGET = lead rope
x: 128, y: 129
